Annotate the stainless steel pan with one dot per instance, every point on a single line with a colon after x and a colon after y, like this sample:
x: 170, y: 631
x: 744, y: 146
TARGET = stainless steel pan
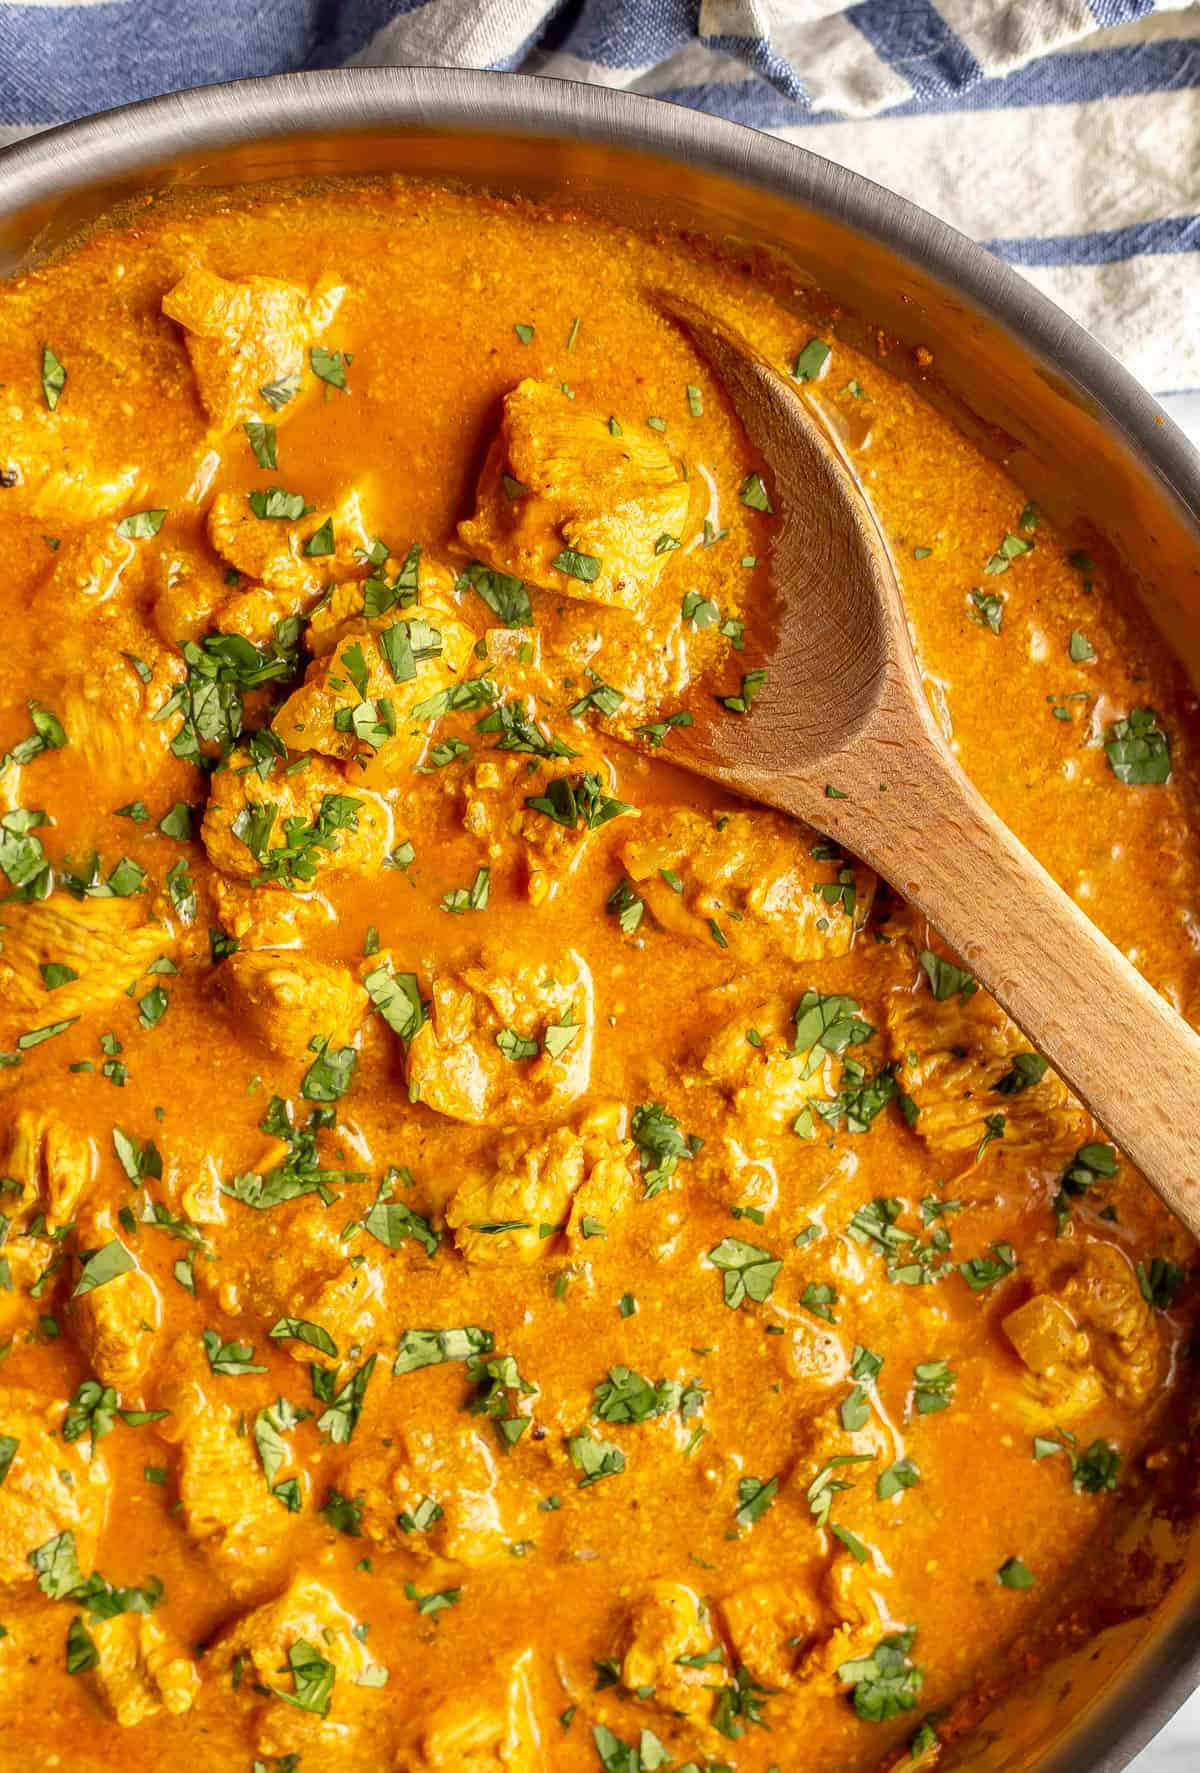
x: 1027, y: 384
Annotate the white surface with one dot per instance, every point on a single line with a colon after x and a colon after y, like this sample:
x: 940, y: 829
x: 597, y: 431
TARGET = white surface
x: 1185, y: 410
x: 1177, y: 1748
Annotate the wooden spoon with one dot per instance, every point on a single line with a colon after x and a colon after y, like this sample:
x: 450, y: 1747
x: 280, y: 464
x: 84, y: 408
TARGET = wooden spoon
x: 841, y: 735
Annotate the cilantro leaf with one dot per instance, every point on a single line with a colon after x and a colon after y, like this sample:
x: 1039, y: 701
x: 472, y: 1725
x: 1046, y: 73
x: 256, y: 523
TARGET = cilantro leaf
x: 1138, y: 751
x: 748, y: 1272
x: 54, y: 378
x: 886, y: 1682
x: 102, y: 1266
x: 229, y: 1360
x: 505, y: 596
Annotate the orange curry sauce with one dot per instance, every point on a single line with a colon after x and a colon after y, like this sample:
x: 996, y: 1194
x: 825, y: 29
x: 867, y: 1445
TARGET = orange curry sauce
x: 510, y: 1261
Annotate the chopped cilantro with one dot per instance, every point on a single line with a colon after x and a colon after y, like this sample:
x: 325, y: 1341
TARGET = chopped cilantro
x: 987, y: 609
x: 1010, y: 549
x: 755, y: 1496
x: 570, y: 800
x: 812, y: 362
x: 330, y: 1074
x: 313, y: 1676
x: 584, y: 567
x: 54, y: 378
x: 933, y: 1387
x: 754, y: 494
x: 431, y: 1348
x: 595, y: 1458
x: 103, y: 1265
x: 1159, y: 1282
x: 981, y: 1272
x: 752, y: 682
x: 505, y: 596
x: 261, y: 438
x: 140, y: 524
x: 1138, y: 751
x: 662, y: 1145
x: 1090, y: 1164
x: 945, y: 979
x: 1095, y: 1470
x: 229, y: 1360
x: 747, y: 1271
x: 886, y: 1682
x: 330, y: 366
x: 277, y: 394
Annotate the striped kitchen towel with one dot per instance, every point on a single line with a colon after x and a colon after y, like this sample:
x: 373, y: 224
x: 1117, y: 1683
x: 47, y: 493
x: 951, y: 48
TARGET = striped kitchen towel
x: 1065, y: 134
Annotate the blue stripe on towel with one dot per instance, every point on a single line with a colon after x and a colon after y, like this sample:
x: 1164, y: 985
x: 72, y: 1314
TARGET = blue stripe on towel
x: 627, y: 33
x: 756, y: 53
x: 1103, y: 246
x: 63, y: 62
x: 1070, y: 77
x: 915, y: 39
x: 1120, y: 12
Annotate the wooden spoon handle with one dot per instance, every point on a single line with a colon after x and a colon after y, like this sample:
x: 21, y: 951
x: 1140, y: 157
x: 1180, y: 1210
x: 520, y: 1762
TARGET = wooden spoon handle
x: 1120, y: 1046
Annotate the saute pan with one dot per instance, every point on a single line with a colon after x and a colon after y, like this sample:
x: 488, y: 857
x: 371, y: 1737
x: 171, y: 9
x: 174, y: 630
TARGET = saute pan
x: 1022, y: 380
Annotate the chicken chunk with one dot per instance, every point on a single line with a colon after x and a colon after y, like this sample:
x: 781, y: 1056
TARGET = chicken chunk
x: 491, y: 1729
x: 569, y: 504
x: 228, y: 1510
x: 53, y: 1486
x: 85, y: 570
x: 305, y: 1613
x: 194, y: 598
x: 115, y: 722
x: 305, y: 1609
x: 107, y: 942
x: 59, y: 492
x: 256, y: 612
x: 438, y: 1493
x: 305, y: 1274
x: 116, y: 1324
x: 963, y: 1061
x: 1087, y: 1333
x: 643, y: 654
x: 285, y: 1000
x: 496, y: 793
x: 770, y: 1625
x: 189, y: 593
x: 769, y: 884
x: 395, y: 587
x: 243, y: 334
x: 289, y: 828
x: 276, y: 553
x: 267, y: 917
x: 853, y: 1622
x: 141, y: 1670
x: 22, y: 1261
x: 767, y: 1080
x: 666, y: 1622
x: 377, y: 689
x: 531, y: 1182
x: 52, y: 1164
x: 502, y: 1041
